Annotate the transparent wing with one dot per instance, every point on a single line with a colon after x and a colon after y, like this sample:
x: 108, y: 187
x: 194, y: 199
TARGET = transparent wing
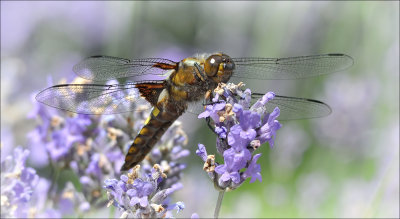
x: 291, y: 108
x: 196, y: 107
x: 103, y: 68
x: 94, y: 98
x: 295, y: 108
x: 290, y: 68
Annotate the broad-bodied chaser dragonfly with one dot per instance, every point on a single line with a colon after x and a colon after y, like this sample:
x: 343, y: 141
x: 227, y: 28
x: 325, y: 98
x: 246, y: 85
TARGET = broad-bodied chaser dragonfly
x: 183, y: 83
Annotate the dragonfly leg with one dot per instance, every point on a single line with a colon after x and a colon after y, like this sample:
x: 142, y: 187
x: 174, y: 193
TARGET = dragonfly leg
x: 210, y: 126
x: 199, y: 74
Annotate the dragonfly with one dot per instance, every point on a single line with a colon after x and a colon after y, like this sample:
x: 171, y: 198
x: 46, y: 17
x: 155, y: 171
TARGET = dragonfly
x: 181, y: 85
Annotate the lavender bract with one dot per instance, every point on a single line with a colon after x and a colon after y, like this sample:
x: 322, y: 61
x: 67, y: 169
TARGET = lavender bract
x: 241, y: 129
x: 146, y: 191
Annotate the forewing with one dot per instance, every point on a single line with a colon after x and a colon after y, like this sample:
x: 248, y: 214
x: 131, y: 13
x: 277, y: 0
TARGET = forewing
x: 196, y: 107
x: 94, y: 98
x: 103, y: 68
x: 290, y: 68
x: 291, y: 108
x: 295, y: 108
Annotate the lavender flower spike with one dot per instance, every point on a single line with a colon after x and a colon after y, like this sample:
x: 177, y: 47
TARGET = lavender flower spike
x: 93, y: 147
x: 142, y: 195
x: 17, y: 184
x: 241, y: 129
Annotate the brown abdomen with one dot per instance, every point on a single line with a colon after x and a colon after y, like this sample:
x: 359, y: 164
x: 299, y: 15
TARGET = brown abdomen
x: 148, y: 136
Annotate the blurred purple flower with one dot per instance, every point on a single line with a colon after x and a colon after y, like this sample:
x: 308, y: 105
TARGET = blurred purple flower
x: 72, y: 201
x: 7, y: 140
x: 22, y: 191
x: 94, y: 168
x: 78, y: 124
x: 17, y: 184
x: 61, y: 144
x: 50, y: 213
x: 93, y: 148
x: 195, y: 216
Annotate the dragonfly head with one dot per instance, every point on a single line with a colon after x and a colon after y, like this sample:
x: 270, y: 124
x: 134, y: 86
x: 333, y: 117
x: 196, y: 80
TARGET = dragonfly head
x: 219, y: 67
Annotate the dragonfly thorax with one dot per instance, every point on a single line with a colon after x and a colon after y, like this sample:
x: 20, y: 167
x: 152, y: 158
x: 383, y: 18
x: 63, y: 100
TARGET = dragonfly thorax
x: 195, y: 76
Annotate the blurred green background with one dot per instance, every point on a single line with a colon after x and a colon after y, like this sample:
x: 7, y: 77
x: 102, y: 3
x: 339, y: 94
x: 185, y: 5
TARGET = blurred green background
x: 343, y: 165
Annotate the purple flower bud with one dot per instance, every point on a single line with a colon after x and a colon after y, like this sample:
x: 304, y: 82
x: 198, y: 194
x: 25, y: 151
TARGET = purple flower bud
x: 202, y: 152
x: 238, y: 109
x: 253, y: 170
x: 221, y: 131
x: 268, y: 131
x: 212, y: 111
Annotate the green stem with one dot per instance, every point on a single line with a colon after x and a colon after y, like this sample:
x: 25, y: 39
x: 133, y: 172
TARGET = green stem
x: 55, y: 173
x: 219, y: 203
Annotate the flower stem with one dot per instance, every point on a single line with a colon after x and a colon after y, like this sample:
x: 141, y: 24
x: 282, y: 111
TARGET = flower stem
x: 55, y: 174
x: 219, y: 203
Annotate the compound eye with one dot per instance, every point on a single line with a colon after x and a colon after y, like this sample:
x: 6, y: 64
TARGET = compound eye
x: 212, y: 65
x: 228, y: 64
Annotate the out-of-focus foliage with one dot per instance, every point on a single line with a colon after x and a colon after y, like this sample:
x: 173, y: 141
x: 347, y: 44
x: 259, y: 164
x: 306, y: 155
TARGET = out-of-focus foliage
x: 344, y: 165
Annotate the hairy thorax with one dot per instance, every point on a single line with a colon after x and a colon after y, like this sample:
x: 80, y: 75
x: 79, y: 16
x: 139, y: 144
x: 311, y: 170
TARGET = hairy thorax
x: 193, y: 78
